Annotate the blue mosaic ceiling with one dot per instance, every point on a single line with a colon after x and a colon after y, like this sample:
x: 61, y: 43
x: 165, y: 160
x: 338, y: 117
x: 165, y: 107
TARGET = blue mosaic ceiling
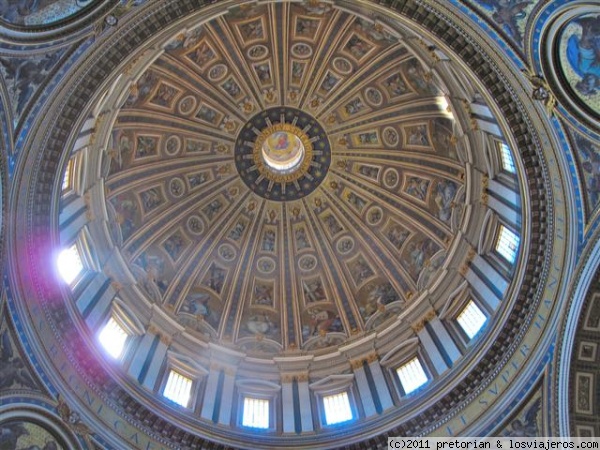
x: 36, y: 13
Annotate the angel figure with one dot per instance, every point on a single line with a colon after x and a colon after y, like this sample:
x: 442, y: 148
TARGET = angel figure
x: 526, y: 426
x: 583, y: 54
x: 12, y: 369
x: 508, y: 13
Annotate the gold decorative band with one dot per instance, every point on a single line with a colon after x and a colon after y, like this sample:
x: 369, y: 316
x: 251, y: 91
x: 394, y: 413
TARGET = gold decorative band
x: 272, y: 174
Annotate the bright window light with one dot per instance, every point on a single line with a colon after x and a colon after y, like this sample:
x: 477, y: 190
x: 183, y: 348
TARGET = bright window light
x: 337, y: 408
x: 256, y: 413
x: 442, y: 102
x: 508, y: 163
x: 66, y: 184
x: 507, y: 244
x: 69, y: 264
x: 471, y: 319
x: 178, y: 388
x: 412, y: 376
x: 113, y: 338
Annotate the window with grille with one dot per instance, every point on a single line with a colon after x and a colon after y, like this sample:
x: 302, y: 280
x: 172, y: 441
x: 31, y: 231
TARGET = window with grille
x: 69, y: 264
x: 178, y: 388
x: 256, y: 413
x: 471, y: 319
x: 506, y: 158
x: 411, y: 375
x: 337, y: 408
x: 507, y: 244
x: 113, y: 338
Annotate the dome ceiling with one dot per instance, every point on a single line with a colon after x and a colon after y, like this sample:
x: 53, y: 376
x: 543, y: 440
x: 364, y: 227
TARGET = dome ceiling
x: 284, y: 176
x: 287, y: 202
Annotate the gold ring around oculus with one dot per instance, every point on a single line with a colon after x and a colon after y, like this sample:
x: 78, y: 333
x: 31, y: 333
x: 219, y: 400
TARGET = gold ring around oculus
x: 282, y: 153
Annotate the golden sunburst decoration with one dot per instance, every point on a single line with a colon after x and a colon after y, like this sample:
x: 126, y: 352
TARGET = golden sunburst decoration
x: 286, y: 160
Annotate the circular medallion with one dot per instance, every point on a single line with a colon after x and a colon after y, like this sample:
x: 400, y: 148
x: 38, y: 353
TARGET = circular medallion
x: 195, y: 225
x: 574, y: 43
x: 391, y: 137
x: 218, y: 72
x: 172, y: 145
x: 374, y: 215
x: 307, y: 263
x: 258, y: 52
x: 187, y: 104
x: 301, y: 51
x: 342, y: 65
x: 282, y: 154
x: 176, y: 187
x: 111, y: 20
x: 390, y: 178
x: 265, y: 265
x: 227, y: 252
x: 345, y: 245
x: 374, y: 96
